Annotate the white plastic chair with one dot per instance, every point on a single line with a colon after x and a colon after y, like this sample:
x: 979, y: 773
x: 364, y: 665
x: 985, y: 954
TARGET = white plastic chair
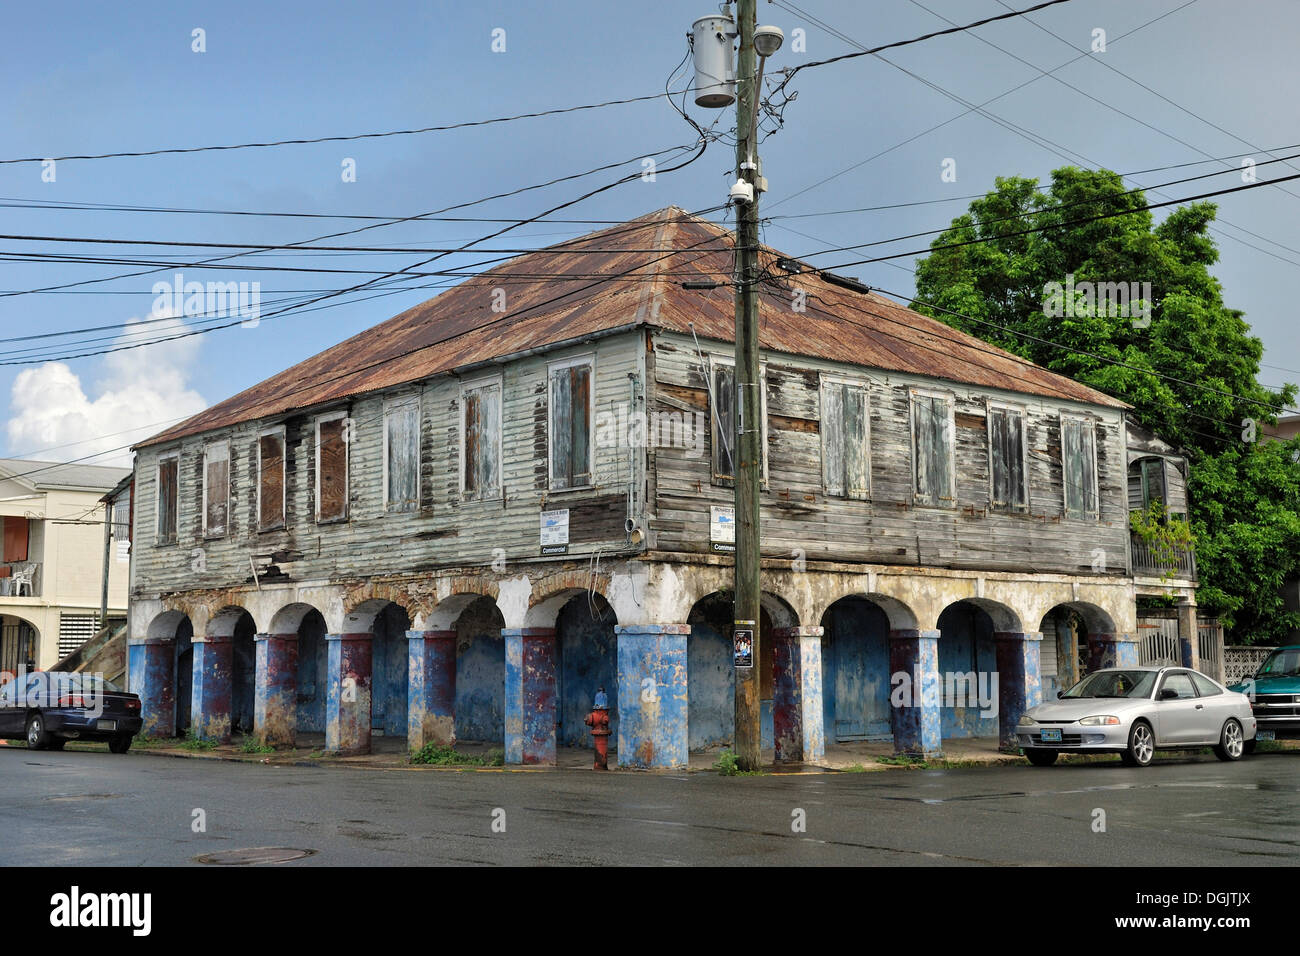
x: 22, y: 577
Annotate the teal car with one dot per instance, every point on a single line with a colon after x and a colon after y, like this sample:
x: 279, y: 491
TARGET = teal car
x: 1274, y: 694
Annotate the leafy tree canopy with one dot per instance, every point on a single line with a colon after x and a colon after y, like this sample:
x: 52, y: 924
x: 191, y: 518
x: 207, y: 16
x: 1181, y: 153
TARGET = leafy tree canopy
x: 1184, y: 360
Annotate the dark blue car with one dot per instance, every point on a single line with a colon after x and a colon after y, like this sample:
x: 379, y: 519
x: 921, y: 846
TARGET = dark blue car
x: 49, y: 708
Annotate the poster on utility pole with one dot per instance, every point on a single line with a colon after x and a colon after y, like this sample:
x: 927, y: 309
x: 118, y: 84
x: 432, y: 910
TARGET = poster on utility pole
x: 742, y: 637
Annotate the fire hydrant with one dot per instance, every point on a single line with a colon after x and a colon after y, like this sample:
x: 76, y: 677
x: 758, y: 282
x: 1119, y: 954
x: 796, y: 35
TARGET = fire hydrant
x: 598, y: 721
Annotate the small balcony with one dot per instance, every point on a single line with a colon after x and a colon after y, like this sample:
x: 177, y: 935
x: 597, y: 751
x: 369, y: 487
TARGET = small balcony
x: 1148, y: 562
x: 20, y: 579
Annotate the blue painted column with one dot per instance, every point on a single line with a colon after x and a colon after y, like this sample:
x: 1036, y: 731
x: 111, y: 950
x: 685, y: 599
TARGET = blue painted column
x: 1111, y: 650
x: 431, y: 689
x: 1188, y: 652
x: 275, y: 694
x: 212, y: 689
x: 530, y: 709
x: 652, y: 695
x: 1019, y: 682
x: 347, y: 701
x: 151, y: 674
x: 798, y: 733
x: 916, y: 694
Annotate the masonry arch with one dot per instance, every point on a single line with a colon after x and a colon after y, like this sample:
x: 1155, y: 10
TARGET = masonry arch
x: 1070, y: 632
x: 20, y: 645
x: 856, y: 665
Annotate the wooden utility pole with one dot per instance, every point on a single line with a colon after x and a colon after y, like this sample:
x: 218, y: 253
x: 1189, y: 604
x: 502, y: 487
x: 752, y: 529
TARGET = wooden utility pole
x: 748, y: 457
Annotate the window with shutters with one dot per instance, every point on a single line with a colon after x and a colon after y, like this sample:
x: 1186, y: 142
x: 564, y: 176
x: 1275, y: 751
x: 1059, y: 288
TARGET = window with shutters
x: 216, y: 489
x: 845, y: 428
x: 168, y: 478
x: 270, y: 479
x: 480, y: 439
x: 932, y: 450
x: 571, y: 401
x: 333, y: 435
x: 122, y: 517
x: 1006, y: 433
x: 402, y: 455
x: 722, y: 419
x: 1079, y: 467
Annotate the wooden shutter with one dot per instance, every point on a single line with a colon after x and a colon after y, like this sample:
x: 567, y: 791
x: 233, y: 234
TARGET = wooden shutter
x: 571, y: 426
x: 167, y: 474
x: 482, y: 441
x: 1088, y: 447
x: 15, y: 539
x: 844, y: 424
x: 1079, y: 468
x: 216, y: 489
x: 724, y: 421
x: 332, y: 478
x: 270, y: 502
x: 402, y: 428
x: 933, y: 449
x: 1007, y: 457
x: 833, y: 450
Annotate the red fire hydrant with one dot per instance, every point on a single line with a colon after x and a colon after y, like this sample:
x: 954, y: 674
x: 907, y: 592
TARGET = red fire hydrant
x: 598, y: 721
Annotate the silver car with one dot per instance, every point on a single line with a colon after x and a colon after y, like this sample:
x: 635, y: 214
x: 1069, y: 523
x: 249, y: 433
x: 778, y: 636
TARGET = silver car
x: 1135, y: 711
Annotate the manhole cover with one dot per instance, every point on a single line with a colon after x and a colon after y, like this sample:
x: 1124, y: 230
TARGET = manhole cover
x: 254, y: 856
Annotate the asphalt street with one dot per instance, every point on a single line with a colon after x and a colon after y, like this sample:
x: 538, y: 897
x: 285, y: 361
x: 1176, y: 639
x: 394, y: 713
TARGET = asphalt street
x: 69, y: 809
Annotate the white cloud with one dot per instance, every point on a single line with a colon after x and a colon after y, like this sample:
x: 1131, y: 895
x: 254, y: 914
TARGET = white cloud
x: 137, y: 393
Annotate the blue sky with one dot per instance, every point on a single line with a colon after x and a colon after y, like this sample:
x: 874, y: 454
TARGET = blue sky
x: 103, y: 78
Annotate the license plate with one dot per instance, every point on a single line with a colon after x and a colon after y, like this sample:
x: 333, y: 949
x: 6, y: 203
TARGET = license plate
x: 1051, y: 736
x: 106, y: 725
x: 1265, y: 735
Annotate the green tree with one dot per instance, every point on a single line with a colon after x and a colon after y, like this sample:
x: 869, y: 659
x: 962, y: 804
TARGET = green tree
x: 1191, y: 373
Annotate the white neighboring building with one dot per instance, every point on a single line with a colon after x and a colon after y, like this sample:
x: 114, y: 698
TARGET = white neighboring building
x: 52, y: 562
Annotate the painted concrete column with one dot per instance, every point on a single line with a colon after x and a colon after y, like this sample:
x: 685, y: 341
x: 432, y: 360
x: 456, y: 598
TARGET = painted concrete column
x: 151, y: 670
x: 431, y: 689
x: 1067, y: 655
x: 1111, y: 650
x: 1187, y: 643
x: 1019, y: 681
x: 212, y: 688
x: 915, y: 696
x: 275, y: 694
x: 347, y: 700
x: 530, y: 705
x: 797, y: 717
x: 652, y: 695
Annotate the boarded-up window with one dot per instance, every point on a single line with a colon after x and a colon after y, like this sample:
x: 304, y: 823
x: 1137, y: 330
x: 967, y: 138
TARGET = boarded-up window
x: 570, y: 437
x: 724, y: 421
x: 481, y: 440
x: 1079, y: 467
x: 270, y: 480
x: 168, y: 473
x: 216, y: 489
x: 1007, y: 458
x: 402, y: 456
x: 332, y: 469
x: 932, y: 441
x: 15, y: 539
x: 845, y: 456
x: 122, y: 517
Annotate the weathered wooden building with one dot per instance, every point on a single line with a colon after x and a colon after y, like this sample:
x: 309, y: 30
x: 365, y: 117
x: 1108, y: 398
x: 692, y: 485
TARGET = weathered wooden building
x: 462, y: 522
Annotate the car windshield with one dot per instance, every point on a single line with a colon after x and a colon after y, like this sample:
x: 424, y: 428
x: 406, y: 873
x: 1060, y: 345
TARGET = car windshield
x: 1283, y: 662
x: 1114, y: 684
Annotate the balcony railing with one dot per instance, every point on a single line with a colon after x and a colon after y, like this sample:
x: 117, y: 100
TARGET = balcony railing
x: 22, y: 580
x: 1147, y: 563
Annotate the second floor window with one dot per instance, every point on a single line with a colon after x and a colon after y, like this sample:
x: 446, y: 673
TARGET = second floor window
x: 722, y: 420
x: 844, y: 426
x: 168, y: 475
x: 571, y: 402
x: 270, y: 480
x: 216, y: 489
x: 332, y: 437
x: 480, y: 445
x: 1079, y: 467
x: 1007, y: 458
x: 932, y: 450
x: 402, y: 456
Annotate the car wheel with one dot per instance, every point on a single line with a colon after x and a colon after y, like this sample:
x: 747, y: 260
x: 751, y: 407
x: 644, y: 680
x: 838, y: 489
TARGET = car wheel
x: 1248, y: 747
x: 1231, y: 745
x: 1141, y: 745
x: 120, y: 744
x: 1040, y: 758
x: 37, y: 738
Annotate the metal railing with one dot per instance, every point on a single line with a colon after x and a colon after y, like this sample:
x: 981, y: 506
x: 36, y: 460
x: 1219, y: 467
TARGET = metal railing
x: 1147, y: 564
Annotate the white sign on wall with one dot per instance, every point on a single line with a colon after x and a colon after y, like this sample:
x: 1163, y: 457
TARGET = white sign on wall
x: 555, y: 532
x: 123, y: 551
x: 722, y: 529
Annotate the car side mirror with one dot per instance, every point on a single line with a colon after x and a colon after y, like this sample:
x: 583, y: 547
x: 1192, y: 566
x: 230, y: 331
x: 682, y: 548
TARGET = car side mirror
x: 1060, y: 694
x: 1169, y: 694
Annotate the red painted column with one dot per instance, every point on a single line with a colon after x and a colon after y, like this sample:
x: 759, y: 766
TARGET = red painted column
x: 347, y: 703
x: 431, y: 689
x: 275, y: 702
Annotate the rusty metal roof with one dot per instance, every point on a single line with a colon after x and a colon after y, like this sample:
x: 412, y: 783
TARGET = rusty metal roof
x: 631, y: 275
